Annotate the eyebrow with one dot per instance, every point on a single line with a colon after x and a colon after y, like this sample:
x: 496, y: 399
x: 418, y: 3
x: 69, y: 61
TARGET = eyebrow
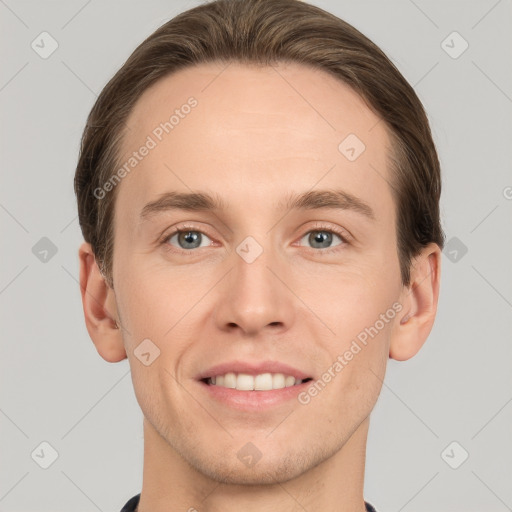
x: 312, y: 200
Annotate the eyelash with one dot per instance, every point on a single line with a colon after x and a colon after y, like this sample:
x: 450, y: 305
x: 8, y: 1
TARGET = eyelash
x: 317, y: 228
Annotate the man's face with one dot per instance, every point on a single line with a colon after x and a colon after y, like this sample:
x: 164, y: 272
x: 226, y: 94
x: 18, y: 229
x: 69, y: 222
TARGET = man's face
x: 297, y: 292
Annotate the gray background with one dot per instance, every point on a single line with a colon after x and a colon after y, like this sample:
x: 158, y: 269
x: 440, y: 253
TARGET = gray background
x: 56, y: 388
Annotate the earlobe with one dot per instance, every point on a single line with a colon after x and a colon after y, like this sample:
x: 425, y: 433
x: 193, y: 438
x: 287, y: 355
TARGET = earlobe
x: 419, y: 302
x: 99, y: 305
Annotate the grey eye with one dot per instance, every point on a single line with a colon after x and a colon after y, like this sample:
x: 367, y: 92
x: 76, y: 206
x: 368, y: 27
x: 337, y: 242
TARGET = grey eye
x: 190, y: 239
x: 321, y: 239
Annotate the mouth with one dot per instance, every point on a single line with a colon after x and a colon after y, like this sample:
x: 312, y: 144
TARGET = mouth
x: 258, y: 382
x: 252, y: 386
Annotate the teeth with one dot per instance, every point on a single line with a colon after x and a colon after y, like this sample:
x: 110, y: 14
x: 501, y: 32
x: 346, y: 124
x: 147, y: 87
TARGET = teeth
x: 261, y: 382
x: 245, y: 382
x: 278, y: 381
x: 229, y: 380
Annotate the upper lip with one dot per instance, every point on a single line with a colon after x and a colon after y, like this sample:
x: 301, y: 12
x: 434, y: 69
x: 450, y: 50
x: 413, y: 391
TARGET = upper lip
x: 252, y: 368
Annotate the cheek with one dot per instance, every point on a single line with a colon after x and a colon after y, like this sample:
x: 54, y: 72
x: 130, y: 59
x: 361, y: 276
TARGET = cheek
x: 152, y: 303
x: 360, y: 307
x: 353, y: 372
x: 156, y: 311
x: 351, y: 300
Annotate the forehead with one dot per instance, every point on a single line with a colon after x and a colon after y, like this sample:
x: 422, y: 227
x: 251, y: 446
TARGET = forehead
x: 237, y: 129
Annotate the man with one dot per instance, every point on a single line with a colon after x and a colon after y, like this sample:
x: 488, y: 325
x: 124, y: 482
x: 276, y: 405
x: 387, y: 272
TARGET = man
x: 258, y: 191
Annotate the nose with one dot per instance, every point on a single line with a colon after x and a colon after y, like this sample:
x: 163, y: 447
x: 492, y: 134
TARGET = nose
x: 254, y: 295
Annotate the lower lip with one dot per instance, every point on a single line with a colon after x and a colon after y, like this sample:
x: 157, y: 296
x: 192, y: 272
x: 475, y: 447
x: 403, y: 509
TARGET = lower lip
x: 253, y: 400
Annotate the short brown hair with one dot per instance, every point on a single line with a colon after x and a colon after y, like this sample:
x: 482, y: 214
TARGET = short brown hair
x: 267, y: 32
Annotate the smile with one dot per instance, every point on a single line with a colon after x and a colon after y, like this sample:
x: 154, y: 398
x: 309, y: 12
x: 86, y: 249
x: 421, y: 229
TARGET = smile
x: 260, y: 382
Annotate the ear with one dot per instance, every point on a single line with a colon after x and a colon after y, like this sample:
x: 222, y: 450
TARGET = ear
x: 100, y: 310
x: 419, y: 301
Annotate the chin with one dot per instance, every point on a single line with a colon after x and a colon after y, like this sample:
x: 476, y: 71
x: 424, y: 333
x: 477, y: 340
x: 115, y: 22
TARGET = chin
x: 269, y: 469
x: 261, y: 474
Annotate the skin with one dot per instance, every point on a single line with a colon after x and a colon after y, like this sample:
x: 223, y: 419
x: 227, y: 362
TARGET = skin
x: 253, y: 139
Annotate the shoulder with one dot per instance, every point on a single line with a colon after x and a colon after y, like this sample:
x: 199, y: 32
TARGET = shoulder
x: 131, y: 504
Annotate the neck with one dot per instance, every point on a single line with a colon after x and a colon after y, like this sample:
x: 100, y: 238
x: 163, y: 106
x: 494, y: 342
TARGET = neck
x: 171, y: 484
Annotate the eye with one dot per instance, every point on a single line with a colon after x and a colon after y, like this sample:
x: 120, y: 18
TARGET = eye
x: 322, y: 238
x: 188, y: 239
